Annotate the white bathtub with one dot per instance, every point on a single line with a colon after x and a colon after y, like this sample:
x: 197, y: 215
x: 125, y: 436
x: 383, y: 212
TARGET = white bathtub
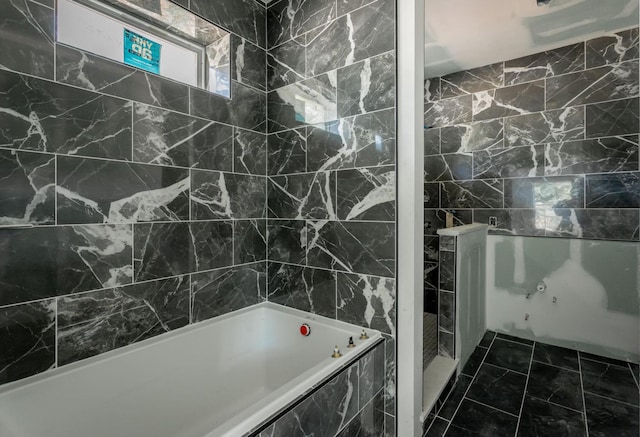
x: 223, y: 377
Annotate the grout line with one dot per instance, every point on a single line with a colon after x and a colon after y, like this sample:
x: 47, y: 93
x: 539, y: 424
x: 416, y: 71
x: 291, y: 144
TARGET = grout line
x: 56, y: 336
x: 584, y: 405
x: 595, y: 360
x: 611, y: 399
x: 556, y: 404
x: 526, y: 385
x: 493, y: 408
x: 556, y: 366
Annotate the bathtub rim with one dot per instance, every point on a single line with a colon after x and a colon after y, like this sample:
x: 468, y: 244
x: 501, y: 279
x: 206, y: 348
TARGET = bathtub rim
x: 178, y: 332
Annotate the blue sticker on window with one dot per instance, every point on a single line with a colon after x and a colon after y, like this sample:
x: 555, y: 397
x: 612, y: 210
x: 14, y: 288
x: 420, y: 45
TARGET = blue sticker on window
x: 141, y: 52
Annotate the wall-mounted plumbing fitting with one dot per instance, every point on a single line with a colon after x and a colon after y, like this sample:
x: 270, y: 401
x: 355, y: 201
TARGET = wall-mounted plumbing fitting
x: 336, y: 352
x: 351, y: 343
x: 363, y: 335
x: 541, y: 287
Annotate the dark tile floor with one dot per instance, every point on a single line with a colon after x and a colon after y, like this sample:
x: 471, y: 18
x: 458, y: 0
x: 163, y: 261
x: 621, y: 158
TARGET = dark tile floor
x: 513, y: 387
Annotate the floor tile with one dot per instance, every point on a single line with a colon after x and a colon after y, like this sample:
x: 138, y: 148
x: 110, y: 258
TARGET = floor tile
x: 609, y: 381
x: 515, y: 339
x: 553, y: 384
x: 601, y: 359
x: 557, y: 356
x: 437, y: 429
x: 474, y: 419
x: 474, y: 361
x: 608, y: 418
x: 451, y: 404
x: 542, y: 419
x: 498, y: 388
x: 510, y: 355
x: 487, y: 339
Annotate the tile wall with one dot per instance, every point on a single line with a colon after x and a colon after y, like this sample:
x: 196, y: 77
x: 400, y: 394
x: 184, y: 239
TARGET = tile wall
x: 546, y: 144
x: 331, y: 163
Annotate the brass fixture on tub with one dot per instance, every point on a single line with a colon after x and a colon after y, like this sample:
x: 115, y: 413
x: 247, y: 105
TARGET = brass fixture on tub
x: 336, y: 352
x: 363, y: 335
x: 351, y: 343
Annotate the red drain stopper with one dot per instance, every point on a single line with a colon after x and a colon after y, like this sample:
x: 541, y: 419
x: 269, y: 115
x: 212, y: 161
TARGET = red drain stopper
x: 305, y: 329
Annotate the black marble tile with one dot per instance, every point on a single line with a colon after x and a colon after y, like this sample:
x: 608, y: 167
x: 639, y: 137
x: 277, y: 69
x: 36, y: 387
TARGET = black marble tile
x: 302, y: 196
x: 475, y: 360
x: 556, y: 356
x: 617, y: 190
x: 455, y: 397
x: 287, y: 152
x: 330, y: 146
x: 591, y: 86
x: 302, y: 288
x: 556, y: 385
x: 472, y: 136
x: 453, y: 166
x: 372, y: 137
x: 85, y: 70
x: 486, y: 193
x: 27, y: 38
x: 434, y: 219
x: 358, y: 247
x: 286, y: 63
x: 529, y: 222
x: 287, y: 241
x: 603, y: 359
x: 609, y: 381
x: 346, y: 6
x: 619, y: 47
x: 27, y: 188
x: 389, y: 425
x: 472, y: 81
x: 249, y: 241
x: 509, y: 163
x: 619, y: 117
x: 367, y: 301
x: 544, y: 127
x: 390, y: 379
x: 475, y: 419
x: 432, y: 141
x: 366, y: 194
x: 512, y: 100
x: 431, y: 248
x: 248, y: 63
x: 514, y: 339
x: 605, y: 155
x: 546, y: 64
x: 224, y: 290
x: 510, y: 355
x: 168, y: 138
x: 448, y: 112
x: 217, y: 195
x: 247, y: 107
x: 371, y: 374
x: 311, y: 101
x: 249, y: 152
x: 487, y: 339
x: 93, y: 323
x: 49, y: 117
x: 170, y: 249
x: 437, y: 428
x: 96, y: 191
x: 612, y: 224
x: 544, y: 419
x: 432, y: 89
x: 431, y: 271
x: 550, y: 192
x: 369, y: 422
x: 447, y: 271
x: 432, y: 196
x: 291, y: 18
x: 325, y: 412
x: 243, y: 17
x: 446, y: 313
x: 45, y: 262
x: 367, y: 86
x: 498, y: 388
x: 606, y: 417
x: 28, y: 340
x: 363, y: 33
x: 446, y: 344
x: 448, y: 243
x: 430, y: 300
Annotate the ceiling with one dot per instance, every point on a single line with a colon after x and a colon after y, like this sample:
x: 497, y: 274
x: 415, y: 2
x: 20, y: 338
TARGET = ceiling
x: 464, y: 34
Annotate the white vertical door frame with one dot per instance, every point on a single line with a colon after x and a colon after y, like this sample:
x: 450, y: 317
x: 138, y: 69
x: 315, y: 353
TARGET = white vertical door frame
x: 410, y: 214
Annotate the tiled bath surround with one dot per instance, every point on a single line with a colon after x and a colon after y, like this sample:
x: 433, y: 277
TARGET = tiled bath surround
x: 147, y: 197
x: 547, y: 144
x: 156, y: 205
x: 331, y: 164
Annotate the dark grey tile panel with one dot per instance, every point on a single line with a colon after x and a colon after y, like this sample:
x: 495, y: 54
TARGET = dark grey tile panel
x: 619, y: 117
x: 367, y: 301
x: 366, y: 194
x: 512, y: 100
x: 472, y: 81
x: 617, y: 190
x: 542, y: 418
x: 605, y: 155
x: 619, y: 47
x: 546, y: 64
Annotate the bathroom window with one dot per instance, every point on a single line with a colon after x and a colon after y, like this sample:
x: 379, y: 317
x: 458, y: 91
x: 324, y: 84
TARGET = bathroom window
x: 156, y: 36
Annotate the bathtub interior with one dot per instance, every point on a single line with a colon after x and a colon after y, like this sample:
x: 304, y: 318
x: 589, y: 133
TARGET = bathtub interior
x: 171, y: 385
